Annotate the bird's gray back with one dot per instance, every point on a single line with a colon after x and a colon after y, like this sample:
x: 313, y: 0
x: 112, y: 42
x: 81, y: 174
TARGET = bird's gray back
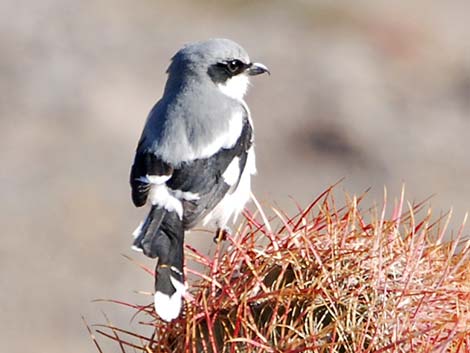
x: 186, y: 121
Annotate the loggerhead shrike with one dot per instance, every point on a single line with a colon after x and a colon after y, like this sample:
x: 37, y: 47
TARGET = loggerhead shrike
x: 195, y: 158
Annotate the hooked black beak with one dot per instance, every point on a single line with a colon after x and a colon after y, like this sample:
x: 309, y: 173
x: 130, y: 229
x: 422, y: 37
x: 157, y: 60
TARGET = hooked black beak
x: 257, y: 69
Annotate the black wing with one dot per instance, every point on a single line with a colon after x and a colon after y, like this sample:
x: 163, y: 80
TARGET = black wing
x: 200, y: 176
x: 204, y: 178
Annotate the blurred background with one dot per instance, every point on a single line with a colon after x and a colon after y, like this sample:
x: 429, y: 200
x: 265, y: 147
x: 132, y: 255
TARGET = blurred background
x: 377, y: 92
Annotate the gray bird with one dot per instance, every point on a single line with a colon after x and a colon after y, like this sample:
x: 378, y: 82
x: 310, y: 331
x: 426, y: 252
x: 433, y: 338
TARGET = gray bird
x: 195, y: 158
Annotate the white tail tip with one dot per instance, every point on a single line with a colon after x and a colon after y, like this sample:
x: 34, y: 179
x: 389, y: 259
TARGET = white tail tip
x: 169, y: 307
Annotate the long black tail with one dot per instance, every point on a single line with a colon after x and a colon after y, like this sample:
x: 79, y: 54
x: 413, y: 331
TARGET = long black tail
x: 162, y: 236
x: 147, y: 234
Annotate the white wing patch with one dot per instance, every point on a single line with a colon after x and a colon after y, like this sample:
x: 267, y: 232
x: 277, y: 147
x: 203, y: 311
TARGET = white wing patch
x: 232, y: 203
x: 155, y: 179
x: 160, y: 196
x: 185, y: 195
x: 232, y: 173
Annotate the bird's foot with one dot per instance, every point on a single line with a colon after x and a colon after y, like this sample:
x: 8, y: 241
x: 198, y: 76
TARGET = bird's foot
x: 221, y: 234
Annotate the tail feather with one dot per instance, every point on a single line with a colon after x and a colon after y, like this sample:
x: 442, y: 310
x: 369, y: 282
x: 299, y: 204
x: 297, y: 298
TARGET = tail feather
x: 146, y: 235
x: 162, y: 235
x: 169, y: 292
x: 169, y: 277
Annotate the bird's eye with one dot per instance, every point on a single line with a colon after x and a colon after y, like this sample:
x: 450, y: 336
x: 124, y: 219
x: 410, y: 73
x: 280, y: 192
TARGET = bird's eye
x: 234, y: 66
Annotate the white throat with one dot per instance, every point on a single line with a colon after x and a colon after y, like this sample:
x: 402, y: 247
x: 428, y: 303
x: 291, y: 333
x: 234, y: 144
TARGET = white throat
x: 235, y: 87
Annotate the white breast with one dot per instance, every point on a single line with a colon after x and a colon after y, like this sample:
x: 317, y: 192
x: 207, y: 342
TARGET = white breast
x: 233, y: 202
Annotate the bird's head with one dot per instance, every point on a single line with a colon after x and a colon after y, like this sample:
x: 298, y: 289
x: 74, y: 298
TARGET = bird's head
x: 223, y: 62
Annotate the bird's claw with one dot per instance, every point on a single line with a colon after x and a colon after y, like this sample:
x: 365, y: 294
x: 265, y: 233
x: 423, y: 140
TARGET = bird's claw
x: 221, y: 235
